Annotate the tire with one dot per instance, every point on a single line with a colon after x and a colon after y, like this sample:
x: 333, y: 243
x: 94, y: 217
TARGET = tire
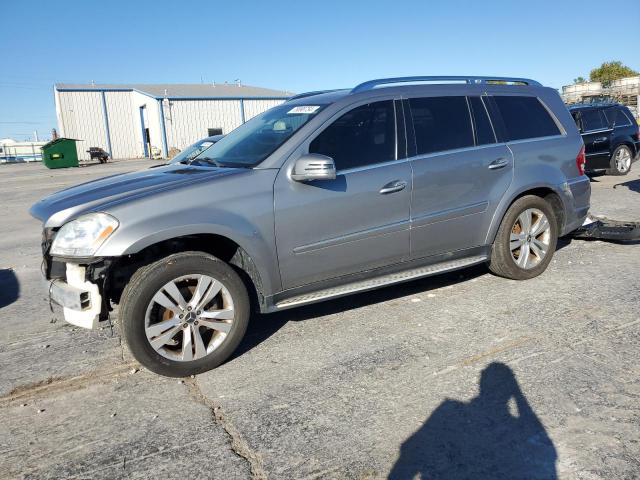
x: 621, y: 160
x: 178, y: 353
x: 538, y: 247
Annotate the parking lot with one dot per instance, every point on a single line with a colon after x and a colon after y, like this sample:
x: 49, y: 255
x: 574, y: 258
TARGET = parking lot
x: 385, y: 383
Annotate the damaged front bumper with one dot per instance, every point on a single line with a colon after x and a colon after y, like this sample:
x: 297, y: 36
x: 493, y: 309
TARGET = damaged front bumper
x: 80, y: 299
x: 595, y: 228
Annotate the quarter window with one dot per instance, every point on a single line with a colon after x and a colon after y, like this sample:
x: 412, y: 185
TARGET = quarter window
x: 618, y: 117
x: 364, y: 136
x: 483, y: 128
x: 593, y: 120
x: 441, y: 123
x: 525, y: 117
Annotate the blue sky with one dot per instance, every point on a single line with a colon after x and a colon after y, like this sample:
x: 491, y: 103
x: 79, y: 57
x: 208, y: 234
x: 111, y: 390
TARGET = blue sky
x: 293, y: 45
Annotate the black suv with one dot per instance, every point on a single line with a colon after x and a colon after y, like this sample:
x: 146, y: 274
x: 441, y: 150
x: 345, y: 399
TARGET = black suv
x: 610, y: 134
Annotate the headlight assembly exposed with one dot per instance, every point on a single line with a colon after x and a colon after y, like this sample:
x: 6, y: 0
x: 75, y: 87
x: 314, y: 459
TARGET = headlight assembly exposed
x: 83, y: 236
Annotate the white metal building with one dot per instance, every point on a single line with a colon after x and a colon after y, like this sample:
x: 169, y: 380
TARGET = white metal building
x: 131, y: 121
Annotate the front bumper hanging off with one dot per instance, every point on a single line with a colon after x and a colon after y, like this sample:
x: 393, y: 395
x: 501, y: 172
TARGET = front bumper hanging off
x: 80, y: 299
x: 596, y: 228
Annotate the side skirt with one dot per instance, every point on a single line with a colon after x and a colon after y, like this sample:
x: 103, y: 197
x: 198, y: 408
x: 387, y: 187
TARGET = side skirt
x: 370, y: 280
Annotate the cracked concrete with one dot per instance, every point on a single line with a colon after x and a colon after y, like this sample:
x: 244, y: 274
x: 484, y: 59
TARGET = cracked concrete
x: 350, y: 388
x: 238, y: 444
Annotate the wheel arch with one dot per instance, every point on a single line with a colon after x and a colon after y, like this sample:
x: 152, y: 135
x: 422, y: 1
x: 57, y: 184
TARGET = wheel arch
x: 626, y: 141
x: 220, y: 246
x: 547, y: 192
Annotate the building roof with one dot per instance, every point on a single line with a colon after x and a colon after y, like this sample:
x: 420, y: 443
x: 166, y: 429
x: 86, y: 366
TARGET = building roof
x: 183, y: 90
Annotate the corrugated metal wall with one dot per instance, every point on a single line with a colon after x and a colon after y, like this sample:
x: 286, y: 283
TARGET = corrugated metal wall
x: 186, y: 121
x: 124, y: 126
x: 254, y: 107
x: 189, y: 120
x: 81, y: 113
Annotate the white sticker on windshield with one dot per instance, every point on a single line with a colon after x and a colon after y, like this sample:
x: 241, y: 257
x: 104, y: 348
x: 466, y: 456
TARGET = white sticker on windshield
x: 308, y: 109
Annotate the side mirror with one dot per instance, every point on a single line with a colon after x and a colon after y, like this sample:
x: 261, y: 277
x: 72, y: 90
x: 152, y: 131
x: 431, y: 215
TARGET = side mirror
x: 314, y: 166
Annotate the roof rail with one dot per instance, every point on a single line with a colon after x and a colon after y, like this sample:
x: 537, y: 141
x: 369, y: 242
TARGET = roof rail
x: 310, y: 94
x: 471, y: 80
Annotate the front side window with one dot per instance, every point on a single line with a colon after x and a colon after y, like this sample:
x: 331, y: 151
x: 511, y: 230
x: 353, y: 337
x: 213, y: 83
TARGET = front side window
x: 525, y: 117
x: 364, y: 136
x: 593, y: 120
x: 252, y: 142
x: 441, y: 123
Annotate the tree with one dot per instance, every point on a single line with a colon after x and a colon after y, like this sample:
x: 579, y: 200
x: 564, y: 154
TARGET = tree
x: 579, y: 80
x: 610, y: 71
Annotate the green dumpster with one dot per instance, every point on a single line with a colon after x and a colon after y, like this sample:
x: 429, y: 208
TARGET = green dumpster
x: 60, y: 153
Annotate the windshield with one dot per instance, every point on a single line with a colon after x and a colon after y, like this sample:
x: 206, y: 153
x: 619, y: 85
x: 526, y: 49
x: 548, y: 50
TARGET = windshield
x: 252, y: 142
x: 192, y: 151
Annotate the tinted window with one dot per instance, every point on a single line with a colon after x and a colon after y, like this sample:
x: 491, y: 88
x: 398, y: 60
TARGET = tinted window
x: 525, y: 117
x: 618, y: 117
x: 441, y: 123
x: 483, y: 129
x: 363, y: 136
x: 593, y: 120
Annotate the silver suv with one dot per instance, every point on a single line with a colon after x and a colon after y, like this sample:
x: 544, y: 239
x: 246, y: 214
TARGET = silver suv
x: 328, y: 194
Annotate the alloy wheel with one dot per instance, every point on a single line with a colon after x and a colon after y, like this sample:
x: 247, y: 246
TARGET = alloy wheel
x: 623, y: 159
x: 189, y: 317
x: 530, y: 238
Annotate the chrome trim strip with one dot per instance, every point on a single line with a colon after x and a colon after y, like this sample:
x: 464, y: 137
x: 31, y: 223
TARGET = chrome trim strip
x: 381, y: 281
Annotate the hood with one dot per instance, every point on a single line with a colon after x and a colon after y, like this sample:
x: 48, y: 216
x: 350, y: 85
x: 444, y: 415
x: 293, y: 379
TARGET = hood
x: 96, y: 195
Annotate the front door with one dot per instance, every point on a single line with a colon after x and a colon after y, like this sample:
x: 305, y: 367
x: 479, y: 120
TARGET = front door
x: 359, y: 221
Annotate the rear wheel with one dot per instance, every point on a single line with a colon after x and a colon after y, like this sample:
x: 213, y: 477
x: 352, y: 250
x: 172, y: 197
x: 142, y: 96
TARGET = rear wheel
x: 184, y: 314
x: 526, y: 239
x: 620, y: 161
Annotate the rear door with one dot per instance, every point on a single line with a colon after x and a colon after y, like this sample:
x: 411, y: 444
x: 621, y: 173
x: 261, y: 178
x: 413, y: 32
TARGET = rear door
x: 460, y: 173
x: 596, y: 134
x: 359, y: 221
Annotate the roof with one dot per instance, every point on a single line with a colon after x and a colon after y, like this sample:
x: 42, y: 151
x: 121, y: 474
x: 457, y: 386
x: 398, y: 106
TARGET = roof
x: 182, y: 90
x: 584, y: 106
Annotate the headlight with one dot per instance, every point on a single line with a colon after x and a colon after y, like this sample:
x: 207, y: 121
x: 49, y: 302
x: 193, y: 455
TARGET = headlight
x: 83, y: 236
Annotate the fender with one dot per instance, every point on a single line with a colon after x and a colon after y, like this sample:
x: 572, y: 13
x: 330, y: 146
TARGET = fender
x: 512, y: 195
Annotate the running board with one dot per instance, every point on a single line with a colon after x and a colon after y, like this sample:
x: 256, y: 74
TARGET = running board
x: 381, y: 281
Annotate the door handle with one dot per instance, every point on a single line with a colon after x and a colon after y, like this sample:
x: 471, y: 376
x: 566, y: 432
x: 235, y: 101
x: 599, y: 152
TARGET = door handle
x: 498, y: 163
x: 600, y: 140
x: 393, y: 187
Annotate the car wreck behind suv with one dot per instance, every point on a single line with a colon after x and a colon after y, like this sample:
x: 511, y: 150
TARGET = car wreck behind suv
x: 328, y: 194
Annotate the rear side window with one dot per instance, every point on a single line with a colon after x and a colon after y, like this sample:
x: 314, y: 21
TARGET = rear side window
x: 441, y: 123
x: 593, y: 120
x: 364, y: 136
x: 618, y: 117
x: 483, y: 129
x: 525, y: 117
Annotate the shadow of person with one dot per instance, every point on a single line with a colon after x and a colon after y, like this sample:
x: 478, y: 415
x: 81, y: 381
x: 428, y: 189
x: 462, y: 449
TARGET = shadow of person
x: 496, y: 435
x: 9, y: 287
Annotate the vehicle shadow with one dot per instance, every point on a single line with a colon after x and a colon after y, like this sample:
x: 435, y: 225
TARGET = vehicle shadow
x: 263, y: 326
x: 481, y: 439
x: 9, y: 287
x: 633, y: 185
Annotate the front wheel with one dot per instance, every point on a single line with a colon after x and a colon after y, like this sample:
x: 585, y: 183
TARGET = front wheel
x: 184, y: 314
x: 620, y: 161
x: 526, y: 239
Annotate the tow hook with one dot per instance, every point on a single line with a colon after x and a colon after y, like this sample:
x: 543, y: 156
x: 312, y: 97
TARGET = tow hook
x: 595, y: 228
